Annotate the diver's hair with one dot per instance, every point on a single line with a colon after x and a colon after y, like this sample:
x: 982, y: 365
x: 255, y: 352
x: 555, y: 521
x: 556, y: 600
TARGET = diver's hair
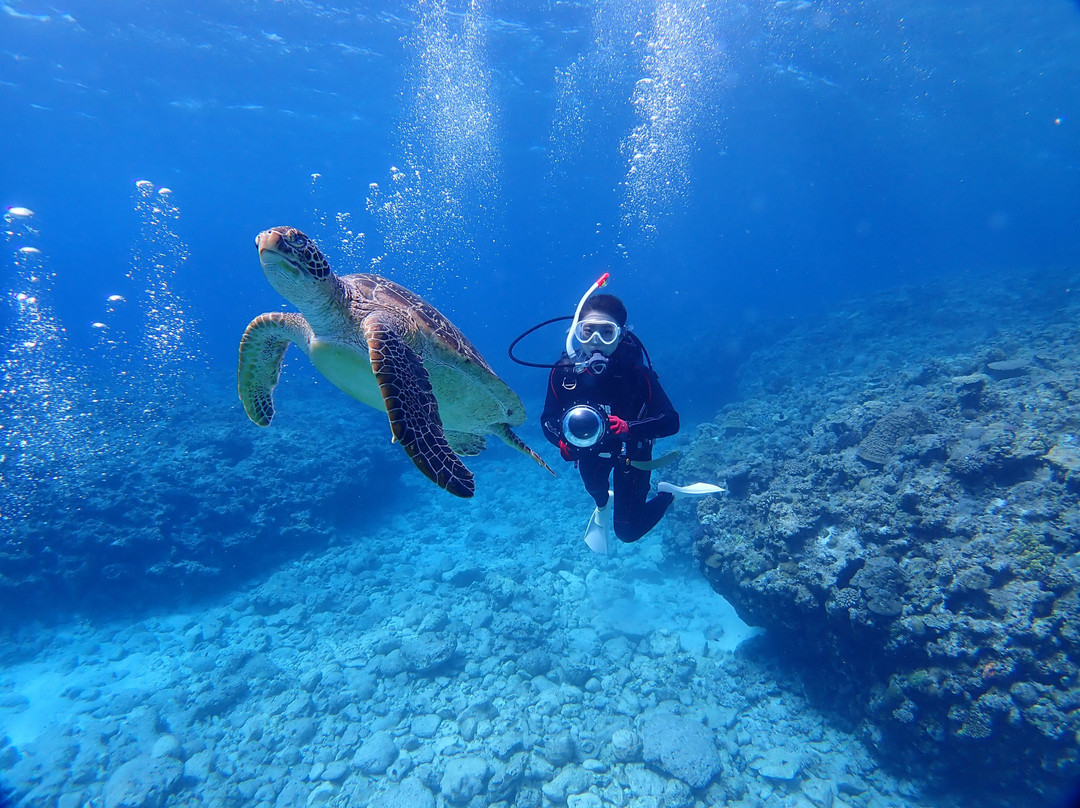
x: 608, y: 305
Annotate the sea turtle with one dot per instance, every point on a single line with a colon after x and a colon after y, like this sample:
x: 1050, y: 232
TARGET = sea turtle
x: 384, y: 346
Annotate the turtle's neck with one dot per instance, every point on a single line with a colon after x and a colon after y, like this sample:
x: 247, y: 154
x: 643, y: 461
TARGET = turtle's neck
x: 327, y: 309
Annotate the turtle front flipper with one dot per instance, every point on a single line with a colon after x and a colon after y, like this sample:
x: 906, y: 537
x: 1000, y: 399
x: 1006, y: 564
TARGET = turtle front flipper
x: 412, y: 407
x: 262, y: 350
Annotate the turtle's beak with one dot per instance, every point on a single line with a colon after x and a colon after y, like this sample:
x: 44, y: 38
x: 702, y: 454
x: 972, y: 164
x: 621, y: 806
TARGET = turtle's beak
x: 268, y: 240
x: 284, y: 275
x: 271, y: 254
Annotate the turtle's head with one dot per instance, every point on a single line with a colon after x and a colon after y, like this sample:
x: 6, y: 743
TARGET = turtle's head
x: 292, y: 263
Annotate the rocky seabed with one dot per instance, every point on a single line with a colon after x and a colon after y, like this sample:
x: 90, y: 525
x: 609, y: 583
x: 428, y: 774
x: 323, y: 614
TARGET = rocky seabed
x: 457, y: 656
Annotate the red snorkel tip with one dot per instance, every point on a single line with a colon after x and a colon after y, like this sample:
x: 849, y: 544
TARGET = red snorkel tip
x: 603, y: 279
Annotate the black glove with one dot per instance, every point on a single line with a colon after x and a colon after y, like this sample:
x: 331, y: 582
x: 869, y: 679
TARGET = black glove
x: 568, y: 452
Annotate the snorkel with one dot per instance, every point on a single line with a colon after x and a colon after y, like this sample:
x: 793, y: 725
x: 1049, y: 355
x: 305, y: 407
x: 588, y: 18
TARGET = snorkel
x: 601, y: 281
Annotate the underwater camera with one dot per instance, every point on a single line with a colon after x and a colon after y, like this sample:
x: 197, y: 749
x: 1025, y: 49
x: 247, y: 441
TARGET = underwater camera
x: 584, y: 425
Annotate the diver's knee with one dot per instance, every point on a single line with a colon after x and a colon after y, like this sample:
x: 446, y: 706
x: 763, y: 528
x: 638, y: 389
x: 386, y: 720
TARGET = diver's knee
x: 626, y: 533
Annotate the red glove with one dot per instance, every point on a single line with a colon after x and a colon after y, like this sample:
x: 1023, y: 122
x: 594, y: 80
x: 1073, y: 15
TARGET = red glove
x: 618, y: 427
x: 566, y: 450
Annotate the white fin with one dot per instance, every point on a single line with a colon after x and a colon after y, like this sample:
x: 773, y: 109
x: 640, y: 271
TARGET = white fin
x: 596, y: 534
x: 692, y: 490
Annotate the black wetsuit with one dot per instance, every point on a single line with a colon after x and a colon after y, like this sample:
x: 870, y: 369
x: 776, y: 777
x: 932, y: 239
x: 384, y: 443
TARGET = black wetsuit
x: 629, y: 389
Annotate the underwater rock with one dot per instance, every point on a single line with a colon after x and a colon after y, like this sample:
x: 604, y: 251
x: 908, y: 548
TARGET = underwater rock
x: 626, y: 746
x: 1065, y: 455
x: 220, y: 699
x: 507, y: 777
x: 506, y: 744
x: 644, y: 783
x: 376, y: 753
x: 680, y: 747
x: 528, y: 798
x: 536, y: 662
x: 144, y: 782
x: 427, y: 653
x: 425, y: 726
x: 571, y: 780
x: 677, y: 794
x: 401, y: 766
x: 558, y: 750
x: 464, y: 779
x: 322, y: 794
x: 997, y: 453
x: 576, y: 671
x: 167, y: 746
x: 179, y: 506
x: 409, y: 793
x: 586, y: 800
x: 197, y: 767
x: 299, y: 731
x: 778, y: 764
x: 392, y: 663
x: 336, y: 771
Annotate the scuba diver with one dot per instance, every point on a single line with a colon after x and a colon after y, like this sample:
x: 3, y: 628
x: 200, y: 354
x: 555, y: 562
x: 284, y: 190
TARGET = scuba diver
x: 604, y: 409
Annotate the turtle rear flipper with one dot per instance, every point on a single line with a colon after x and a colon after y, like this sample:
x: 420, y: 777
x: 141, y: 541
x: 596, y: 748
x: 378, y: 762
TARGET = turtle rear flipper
x: 262, y: 350
x: 508, y: 437
x: 412, y: 407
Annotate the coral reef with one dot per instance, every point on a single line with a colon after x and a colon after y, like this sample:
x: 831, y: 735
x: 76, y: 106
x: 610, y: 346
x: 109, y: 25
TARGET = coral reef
x: 907, y: 515
x: 170, y: 508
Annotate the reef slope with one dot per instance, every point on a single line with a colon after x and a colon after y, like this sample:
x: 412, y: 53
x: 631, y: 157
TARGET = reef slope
x: 904, y: 513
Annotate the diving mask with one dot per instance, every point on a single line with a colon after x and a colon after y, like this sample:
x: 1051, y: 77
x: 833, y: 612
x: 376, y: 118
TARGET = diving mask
x: 596, y: 331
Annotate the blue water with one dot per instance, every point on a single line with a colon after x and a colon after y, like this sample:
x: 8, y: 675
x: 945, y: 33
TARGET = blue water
x: 739, y: 168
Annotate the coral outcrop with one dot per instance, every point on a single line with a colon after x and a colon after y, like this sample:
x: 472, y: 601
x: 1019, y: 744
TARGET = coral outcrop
x: 907, y: 516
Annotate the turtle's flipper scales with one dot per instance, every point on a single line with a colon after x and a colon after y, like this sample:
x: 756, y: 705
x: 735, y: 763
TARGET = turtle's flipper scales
x: 262, y: 350
x: 412, y: 407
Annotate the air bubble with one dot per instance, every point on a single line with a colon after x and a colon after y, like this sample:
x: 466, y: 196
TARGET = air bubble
x: 162, y: 349
x: 45, y: 437
x: 450, y: 170
x: 681, y: 52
